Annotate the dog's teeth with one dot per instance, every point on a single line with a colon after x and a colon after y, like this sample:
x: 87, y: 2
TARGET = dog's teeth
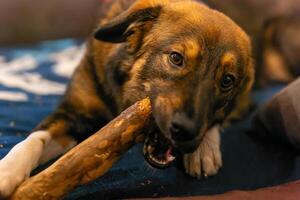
x: 150, y: 149
x: 170, y: 158
x: 152, y: 157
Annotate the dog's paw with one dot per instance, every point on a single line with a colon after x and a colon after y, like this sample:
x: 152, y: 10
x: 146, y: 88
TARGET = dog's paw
x: 207, y: 159
x: 10, y: 177
x: 16, y: 166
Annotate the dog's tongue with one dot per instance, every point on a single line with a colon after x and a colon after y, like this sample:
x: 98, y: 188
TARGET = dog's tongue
x: 169, y: 155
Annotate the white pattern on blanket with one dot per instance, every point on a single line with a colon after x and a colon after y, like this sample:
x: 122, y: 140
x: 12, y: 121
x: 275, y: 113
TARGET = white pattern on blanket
x: 23, y: 73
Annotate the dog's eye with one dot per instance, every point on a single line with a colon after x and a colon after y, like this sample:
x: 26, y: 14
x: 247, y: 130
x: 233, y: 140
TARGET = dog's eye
x: 227, y: 82
x: 176, y: 59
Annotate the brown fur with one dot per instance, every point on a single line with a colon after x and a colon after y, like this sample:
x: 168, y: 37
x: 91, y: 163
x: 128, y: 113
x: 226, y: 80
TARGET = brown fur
x: 128, y: 61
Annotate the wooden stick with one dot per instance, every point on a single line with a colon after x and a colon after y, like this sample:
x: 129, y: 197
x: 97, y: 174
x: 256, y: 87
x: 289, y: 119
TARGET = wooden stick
x: 90, y: 159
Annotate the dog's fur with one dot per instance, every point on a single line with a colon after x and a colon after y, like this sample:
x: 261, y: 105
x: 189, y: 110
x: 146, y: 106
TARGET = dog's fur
x: 127, y: 61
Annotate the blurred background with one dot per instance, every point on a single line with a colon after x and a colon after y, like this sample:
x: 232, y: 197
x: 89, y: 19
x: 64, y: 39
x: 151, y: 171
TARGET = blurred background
x: 27, y: 21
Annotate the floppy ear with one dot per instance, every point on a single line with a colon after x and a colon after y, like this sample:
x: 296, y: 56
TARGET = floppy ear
x: 126, y: 24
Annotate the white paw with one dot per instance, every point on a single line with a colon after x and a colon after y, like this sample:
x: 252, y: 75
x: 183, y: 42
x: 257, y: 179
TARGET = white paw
x: 207, y: 159
x: 10, y: 178
x: 16, y: 166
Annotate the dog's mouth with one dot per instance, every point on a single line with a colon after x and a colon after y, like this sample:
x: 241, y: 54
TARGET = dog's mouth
x: 158, y: 151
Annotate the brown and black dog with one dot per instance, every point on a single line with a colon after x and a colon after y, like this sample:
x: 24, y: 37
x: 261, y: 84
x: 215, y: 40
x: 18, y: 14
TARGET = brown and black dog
x: 193, y: 62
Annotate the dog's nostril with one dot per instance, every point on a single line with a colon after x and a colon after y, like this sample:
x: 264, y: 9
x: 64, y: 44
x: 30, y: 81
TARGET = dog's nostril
x: 181, y: 133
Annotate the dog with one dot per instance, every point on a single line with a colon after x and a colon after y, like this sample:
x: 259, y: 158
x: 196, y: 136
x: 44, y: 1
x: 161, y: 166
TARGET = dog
x: 194, y: 64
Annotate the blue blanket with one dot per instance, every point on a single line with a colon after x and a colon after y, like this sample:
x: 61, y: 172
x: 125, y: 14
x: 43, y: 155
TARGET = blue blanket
x: 33, y: 78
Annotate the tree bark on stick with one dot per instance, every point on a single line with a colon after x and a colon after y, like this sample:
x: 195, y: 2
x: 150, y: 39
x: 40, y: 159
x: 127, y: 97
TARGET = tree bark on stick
x: 90, y: 159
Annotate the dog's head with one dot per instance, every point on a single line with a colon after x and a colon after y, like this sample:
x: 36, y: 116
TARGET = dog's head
x: 193, y: 62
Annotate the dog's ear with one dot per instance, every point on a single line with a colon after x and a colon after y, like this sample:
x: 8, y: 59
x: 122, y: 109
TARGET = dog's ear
x: 128, y: 23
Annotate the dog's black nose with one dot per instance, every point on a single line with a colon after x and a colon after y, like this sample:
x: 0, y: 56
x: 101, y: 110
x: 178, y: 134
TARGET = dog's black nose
x: 182, y: 128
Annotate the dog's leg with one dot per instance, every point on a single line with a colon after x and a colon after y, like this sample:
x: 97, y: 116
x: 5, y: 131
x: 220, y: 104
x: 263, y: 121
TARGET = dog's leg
x: 36, y: 149
x: 80, y: 113
x: 207, y: 159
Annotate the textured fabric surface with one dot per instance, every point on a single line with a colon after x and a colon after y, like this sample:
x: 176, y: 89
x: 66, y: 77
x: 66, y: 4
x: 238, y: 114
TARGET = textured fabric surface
x: 280, y: 117
x: 31, y: 81
x: 33, y: 78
